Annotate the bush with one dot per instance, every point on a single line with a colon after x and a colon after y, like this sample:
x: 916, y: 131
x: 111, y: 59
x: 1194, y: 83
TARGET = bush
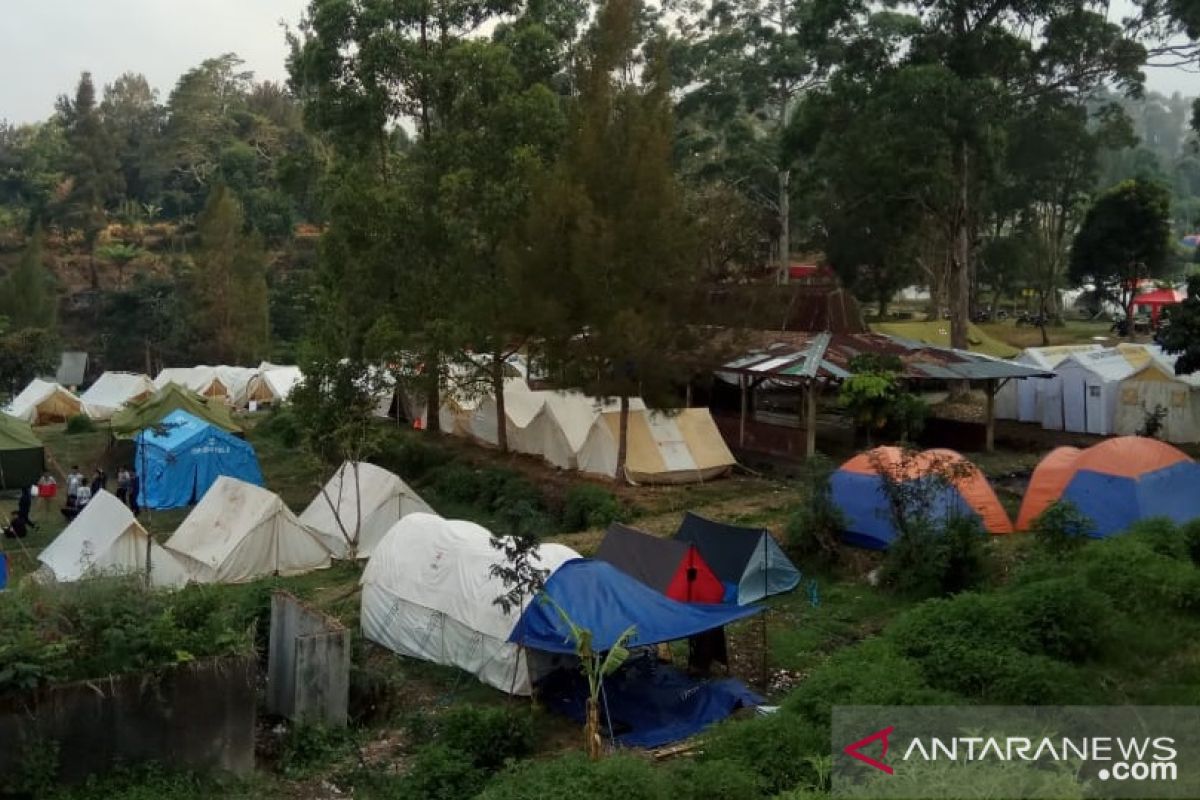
x: 281, y: 426
x: 1135, y: 578
x: 813, y: 531
x: 307, y: 749
x: 1190, y: 533
x: 574, y: 777
x: 80, y: 424
x: 782, y: 750
x: 412, y: 456
x: 488, y: 736
x: 589, y: 506
x: 442, y: 773
x: 1162, y: 536
x: 1061, y: 529
x: 713, y: 780
x: 926, y: 562
x: 1062, y: 618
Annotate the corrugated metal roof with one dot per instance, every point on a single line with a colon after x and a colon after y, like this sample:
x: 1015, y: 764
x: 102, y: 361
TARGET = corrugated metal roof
x: 797, y: 356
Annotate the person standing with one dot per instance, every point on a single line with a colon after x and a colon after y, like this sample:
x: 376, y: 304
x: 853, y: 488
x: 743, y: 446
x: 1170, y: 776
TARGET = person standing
x: 74, y: 481
x: 99, y: 481
x: 135, y: 487
x: 47, y: 490
x: 123, y: 485
x: 25, y: 506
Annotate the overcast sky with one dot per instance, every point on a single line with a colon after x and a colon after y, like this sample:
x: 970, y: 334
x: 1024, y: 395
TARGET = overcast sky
x: 45, y: 44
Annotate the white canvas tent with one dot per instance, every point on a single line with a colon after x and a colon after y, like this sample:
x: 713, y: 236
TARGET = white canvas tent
x: 661, y: 448
x: 1089, y: 385
x: 1023, y: 399
x: 43, y: 403
x: 278, y: 382
x: 520, y: 407
x: 1156, y: 386
x: 383, y: 497
x: 112, y: 391
x: 106, y: 539
x: 428, y: 593
x: 240, y: 532
x: 201, y: 380
x: 560, y: 429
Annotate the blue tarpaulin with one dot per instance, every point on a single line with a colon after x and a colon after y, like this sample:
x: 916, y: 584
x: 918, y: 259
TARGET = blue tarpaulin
x: 648, y: 704
x: 179, y: 461
x: 600, y: 598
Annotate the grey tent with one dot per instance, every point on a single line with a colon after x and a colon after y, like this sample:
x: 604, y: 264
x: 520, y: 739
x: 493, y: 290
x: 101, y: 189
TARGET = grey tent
x: 747, y: 560
x: 670, y: 566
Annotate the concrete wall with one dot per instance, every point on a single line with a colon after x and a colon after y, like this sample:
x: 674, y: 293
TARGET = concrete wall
x: 308, y: 673
x: 199, y: 716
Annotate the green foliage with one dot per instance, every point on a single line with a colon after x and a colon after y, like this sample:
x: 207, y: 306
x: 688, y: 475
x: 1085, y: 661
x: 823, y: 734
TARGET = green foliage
x: 713, y: 780
x: 493, y: 489
x: 307, y: 749
x: 1063, y: 618
x: 813, y: 531
x: 1182, y: 336
x: 1061, y: 529
x: 412, y: 456
x: 779, y: 749
x: 489, y: 737
x: 282, y: 426
x: 589, y: 506
x: 36, y: 773
x: 27, y: 293
x: 574, y: 777
x: 1190, y: 533
x: 878, y: 400
x: 155, y: 782
x: 926, y: 560
x: 80, y: 424
x: 439, y: 772
x: 24, y: 355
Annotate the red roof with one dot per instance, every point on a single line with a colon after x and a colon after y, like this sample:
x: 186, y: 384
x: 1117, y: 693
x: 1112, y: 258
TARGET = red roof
x: 1160, y: 297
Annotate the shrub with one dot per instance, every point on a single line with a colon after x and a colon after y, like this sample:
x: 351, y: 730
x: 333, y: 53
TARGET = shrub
x: 488, y: 736
x: 1162, y: 536
x: 1061, y: 529
x: 813, y: 530
x: 79, y: 424
x: 574, y: 777
x: 281, y: 426
x: 455, y: 482
x: 307, y: 749
x: 1190, y: 533
x: 782, y: 749
x: 412, y: 457
x: 442, y: 773
x: 1127, y: 570
x: 713, y: 780
x: 589, y: 506
x: 924, y: 561
x: 1062, y: 618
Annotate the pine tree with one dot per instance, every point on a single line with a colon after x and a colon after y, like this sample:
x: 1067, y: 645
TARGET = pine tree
x: 230, y: 285
x: 94, y: 169
x: 27, y: 298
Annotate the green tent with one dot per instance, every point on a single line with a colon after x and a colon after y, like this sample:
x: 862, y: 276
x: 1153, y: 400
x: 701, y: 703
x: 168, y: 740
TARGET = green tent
x: 22, y: 457
x: 137, y: 416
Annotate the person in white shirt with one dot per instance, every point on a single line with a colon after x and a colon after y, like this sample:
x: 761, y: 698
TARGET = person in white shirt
x: 74, y: 481
x: 82, y: 497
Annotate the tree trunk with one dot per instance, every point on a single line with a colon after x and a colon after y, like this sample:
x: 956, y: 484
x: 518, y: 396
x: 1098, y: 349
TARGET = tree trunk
x: 960, y: 276
x: 622, y: 440
x: 595, y: 746
x: 501, y: 412
x: 433, y: 394
x: 785, y: 232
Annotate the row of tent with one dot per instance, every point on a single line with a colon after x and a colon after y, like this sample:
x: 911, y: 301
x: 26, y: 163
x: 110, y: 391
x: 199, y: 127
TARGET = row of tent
x: 573, y: 431
x: 44, y: 402
x: 1104, y: 391
x: 238, y: 532
x: 1115, y: 483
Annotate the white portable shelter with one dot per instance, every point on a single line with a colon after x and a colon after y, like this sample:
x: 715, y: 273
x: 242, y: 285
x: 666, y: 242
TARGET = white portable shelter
x: 240, y: 532
x: 383, y: 497
x: 1023, y: 399
x: 202, y: 380
x: 1089, y: 385
x: 1156, y: 386
x: 43, y: 402
x: 560, y: 429
x: 521, y: 405
x: 106, y: 539
x: 428, y: 592
x: 278, y: 380
x: 112, y: 391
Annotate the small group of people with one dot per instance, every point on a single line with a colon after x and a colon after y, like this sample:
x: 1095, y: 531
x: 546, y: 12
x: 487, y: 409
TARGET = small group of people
x: 79, y: 493
x: 20, y: 521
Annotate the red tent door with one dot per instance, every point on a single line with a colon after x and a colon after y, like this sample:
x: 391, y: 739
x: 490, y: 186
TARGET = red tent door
x: 694, y: 581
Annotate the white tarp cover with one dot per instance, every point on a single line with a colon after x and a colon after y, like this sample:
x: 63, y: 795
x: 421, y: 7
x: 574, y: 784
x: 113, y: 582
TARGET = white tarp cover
x: 383, y: 496
x: 1022, y: 399
x: 240, y: 532
x: 112, y: 391
x: 43, y: 401
x: 428, y: 593
x: 106, y: 539
x: 1157, y: 386
x: 1089, y: 387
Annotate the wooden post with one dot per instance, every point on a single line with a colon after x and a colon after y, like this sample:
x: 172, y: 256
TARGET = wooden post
x: 742, y: 425
x: 990, y: 439
x: 810, y: 419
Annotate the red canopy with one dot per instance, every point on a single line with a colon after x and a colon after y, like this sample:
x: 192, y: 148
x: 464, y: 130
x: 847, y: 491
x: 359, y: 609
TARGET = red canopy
x: 1153, y: 302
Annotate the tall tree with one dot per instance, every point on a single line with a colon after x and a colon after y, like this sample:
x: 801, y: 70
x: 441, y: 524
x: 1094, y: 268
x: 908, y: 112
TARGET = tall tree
x: 27, y: 297
x: 133, y: 118
x: 1124, y: 239
x: 230, y: 284
x: 608, y: 230
x: 92, y: 167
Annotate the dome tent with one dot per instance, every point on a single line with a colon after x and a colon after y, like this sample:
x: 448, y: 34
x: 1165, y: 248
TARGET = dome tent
x: 240, y: 532
x: 184, y: 456
x: 106, y: 539
x: 383, y: 497
x: 1116, y: 483
x: 956, y: 488
x: 670, y: 566
x: 748, y: 561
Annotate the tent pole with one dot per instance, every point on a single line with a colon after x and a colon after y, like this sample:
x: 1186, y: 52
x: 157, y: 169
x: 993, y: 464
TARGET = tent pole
x: 763, y: 616
x: 810, y: 419
x: 742, y: 426
x: 990, y: 437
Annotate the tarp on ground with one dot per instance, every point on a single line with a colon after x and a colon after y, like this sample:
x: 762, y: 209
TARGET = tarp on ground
x: 135, y: 417
x: 1155, y: 388
x: 240, y: 532
x: 22, y: 455
x: 105, y: 539
x: 1116, y: 483
x: 670, y: 566
x: 428, y: 592
x: 748, y: 561
x: 112, y: 391
x: 662, y: 448
x: 181, y: 461
x: 384, y: 499
x: 600, y: 598
x: 646, y: 703
x: 44, y: 403
x: 953, y: 485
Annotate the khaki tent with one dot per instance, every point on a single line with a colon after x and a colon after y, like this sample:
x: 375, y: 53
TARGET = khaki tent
x: 382, y: 496
x: 106, y: 539
x: 682, y: 448
x: 1156, y: 386
x: 137, y: 416
x: 112, y: 391
x: 44, y: 403
x: 22, y: 456
x: 239, y: 533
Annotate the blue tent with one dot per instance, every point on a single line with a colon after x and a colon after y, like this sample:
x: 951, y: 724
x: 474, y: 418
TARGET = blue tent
x: 599, y: 597
x: 181, y: 458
